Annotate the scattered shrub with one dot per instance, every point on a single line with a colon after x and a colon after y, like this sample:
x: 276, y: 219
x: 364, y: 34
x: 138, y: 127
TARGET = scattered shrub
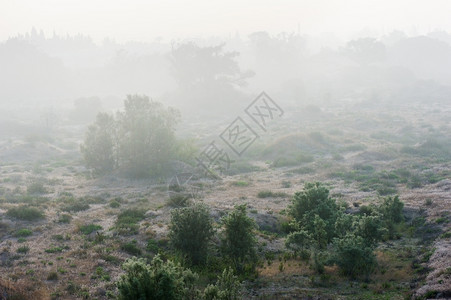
x: 36, y: 188
x: 239, y: 238
x: 159, y: 280
x: 24, y: 232
x: 131, y: 248
x: 89, y: 228
x: 354, y: 257
x: 27, y: 213
x: 65, y: 218
x: 270, y: 194
x: 127, y: 221
x: 190, y: 231
x: 23, y: 249
x: 76, y: 206
x: 52, y: 276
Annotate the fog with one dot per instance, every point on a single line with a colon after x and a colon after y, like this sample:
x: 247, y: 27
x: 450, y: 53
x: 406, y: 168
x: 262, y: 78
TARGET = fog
x: 54, y: 53
x: 243, y: 149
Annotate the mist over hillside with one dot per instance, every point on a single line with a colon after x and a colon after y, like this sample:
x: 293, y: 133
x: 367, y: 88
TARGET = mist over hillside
x: 225, y: 150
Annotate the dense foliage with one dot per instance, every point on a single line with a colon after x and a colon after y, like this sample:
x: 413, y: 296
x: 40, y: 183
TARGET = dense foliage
x: 191, y: 230
x: 139, y: 140
x: 239, y: 238
x: 319, y: 221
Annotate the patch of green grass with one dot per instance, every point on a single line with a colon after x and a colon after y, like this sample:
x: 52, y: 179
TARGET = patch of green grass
x: 152, y: 246
x: 52, y: 276
x: 89, y: 228
x: 36, y: 188
x: 54, y: 250
x: 127, y: 221
x: 76, y: 206
x: 441, y: 220
x: 270, y: 194
x: 114, y: 204
x: 65, y: 218
x: 302, y: 170
x: 24, y: 232
x: 26, y: 213
x: 239, y: 183
x: 292, y: 160
x: 131, y: 248
x: 23, y: 249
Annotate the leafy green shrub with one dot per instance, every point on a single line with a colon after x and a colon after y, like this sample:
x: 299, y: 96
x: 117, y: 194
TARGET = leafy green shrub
x: 127, y: 221
x: 268, y: 194
x: 354, y: 257
x: 190, y: 231
x: 159, y: 280
x: 314, y: 201
x: 36, y: 188
x: 227, y: 287
x: 239, y: 238
x: 114, y: 204
x: 65, y: 218
x: 133, y: 140
x: 292, y: 161
x: 240, y: 183
x: 54, y: 250
x: 298, y: 240
x: 370, y: 228
x: 76, y: 206
x: 23, y: 249
x: 131, y: 248
x: 152, y: 246
x: 391, y: 209
x: 391, y: 212
x: 24, y: 212
x: 24, y: 232
x: 89, y: 228
x: 52, y: 276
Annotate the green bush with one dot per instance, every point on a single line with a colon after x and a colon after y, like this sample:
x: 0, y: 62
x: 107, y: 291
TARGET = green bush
x: 227, y: 287
x: 190, y: 232
x: 24, y: 232
x: 65, y: 218
x: 131, y: 248
x: 36, y: 188
x: 24, y: 212
x: 89, y: 228
x: 139, y: 140
x: 52, y: 276
x: 314, y: 201
x: 56, y: 249
x: 127, y: 221
x: 298, y: 240
x: 391, y: 212
x: 270, y: 194
x: 292, y: 161
x: 76, y: 207
x: 370, y: 228
x: 23, y: 249
x: 159, y: 280
x: 239, y: 238
x: 354, y: 257
x: 114, y: 204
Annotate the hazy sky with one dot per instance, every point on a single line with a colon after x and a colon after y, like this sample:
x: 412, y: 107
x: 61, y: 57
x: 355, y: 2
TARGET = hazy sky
x: 147, y: 19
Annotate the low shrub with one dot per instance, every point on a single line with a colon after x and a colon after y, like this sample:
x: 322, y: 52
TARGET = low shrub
x: 131, y: 248
x: 24, y: 232
x: 26, y: 213
x: 89, y: 228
